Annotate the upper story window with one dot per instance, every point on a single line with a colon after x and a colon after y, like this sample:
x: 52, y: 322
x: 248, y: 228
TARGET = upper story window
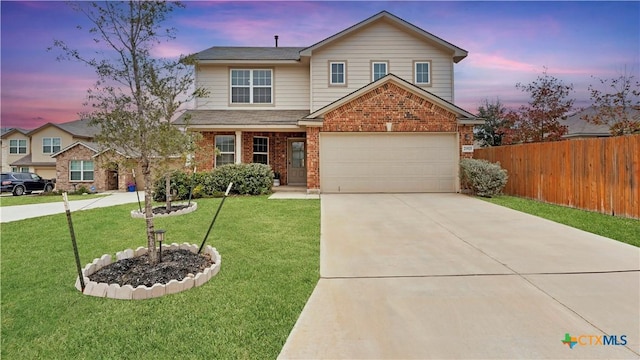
x: 17, y: 146
x: 50, y: 145
x: 261, y: 150
x: 379, y: 69
x: 251, y: 86
x: 226, y: 145
x: 337, y: 73
x: 422, y: 72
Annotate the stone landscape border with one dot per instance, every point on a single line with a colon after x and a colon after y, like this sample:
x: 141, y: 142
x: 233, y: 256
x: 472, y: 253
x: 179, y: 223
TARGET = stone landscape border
x: 128, y: 292
x: 137, y: 214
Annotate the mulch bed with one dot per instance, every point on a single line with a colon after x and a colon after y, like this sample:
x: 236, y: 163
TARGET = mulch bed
x: 174, y: 208
x: 136, y: 271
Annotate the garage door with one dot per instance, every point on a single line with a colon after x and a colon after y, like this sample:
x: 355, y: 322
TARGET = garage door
x: 356, y: 163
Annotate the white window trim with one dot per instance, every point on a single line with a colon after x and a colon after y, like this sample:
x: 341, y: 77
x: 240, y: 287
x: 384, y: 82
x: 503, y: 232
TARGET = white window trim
x: 82, y: 171
x: 373, y: 65
x: 51, y: 146
x: 415, y: 72
x: 344, y: 77
x: 215, y: 158
x: 251, y: 86
x: 259, y: 152
x: 18, y: 147
x: 20, y: 169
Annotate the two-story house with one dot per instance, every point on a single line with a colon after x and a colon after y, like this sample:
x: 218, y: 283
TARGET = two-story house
x: 369, y: 109
x: 65, y: 152
x: 31, y: 150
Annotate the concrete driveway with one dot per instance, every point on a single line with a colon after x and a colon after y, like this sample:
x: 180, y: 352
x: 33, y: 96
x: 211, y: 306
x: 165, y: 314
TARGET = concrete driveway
x: 415, y: 276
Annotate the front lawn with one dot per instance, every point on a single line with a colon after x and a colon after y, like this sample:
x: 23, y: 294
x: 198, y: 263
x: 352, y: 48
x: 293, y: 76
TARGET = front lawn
x: 270, y: 265
x: 41, y: 199
x: 621, y: 229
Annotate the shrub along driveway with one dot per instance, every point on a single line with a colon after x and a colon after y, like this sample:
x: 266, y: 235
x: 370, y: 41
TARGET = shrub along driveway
x: 449, y: 276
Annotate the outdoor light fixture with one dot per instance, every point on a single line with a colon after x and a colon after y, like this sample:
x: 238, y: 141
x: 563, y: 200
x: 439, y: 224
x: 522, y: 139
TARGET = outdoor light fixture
x: 160, y: 238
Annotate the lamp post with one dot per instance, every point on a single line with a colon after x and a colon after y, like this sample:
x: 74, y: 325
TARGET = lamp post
x: 160, y: 238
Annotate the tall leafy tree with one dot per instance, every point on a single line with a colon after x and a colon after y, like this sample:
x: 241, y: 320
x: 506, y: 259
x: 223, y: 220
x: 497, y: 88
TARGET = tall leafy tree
x: 619, y: 107
x: 539, y: 120
x: 492, y: 131
x: 136, y: 95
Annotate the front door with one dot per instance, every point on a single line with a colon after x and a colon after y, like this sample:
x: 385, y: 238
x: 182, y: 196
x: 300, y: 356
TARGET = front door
x: 296, y: 160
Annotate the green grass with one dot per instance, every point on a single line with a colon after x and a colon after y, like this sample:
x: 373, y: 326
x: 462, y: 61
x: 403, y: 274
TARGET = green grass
x: 618, y: 228
x: 40, y: 199
x: 270, y: 265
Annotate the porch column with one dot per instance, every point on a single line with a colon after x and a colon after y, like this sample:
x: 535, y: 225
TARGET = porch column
x: 238, y: 147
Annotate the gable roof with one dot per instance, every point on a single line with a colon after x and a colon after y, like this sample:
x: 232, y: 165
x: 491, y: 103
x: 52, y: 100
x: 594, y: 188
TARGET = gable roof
x: 78, y: 128
x: 464, y: 117
x: 234, y: 53
x: 93, y: 146
x: 89, y: 145
x: 9, y: 131
x: 458, y: 53
x: 577, y: 127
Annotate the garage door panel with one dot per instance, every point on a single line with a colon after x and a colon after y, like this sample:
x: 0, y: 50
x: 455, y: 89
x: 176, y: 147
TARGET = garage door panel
x: 388, y: 162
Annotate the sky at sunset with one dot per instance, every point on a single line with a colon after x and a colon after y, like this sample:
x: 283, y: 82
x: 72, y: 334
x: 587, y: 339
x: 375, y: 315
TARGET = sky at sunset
x: 508, y: 42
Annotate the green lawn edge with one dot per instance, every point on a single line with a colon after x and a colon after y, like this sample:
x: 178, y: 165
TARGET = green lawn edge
x: 618, y: 228
x: 270, y: 266
x: 6, y: 201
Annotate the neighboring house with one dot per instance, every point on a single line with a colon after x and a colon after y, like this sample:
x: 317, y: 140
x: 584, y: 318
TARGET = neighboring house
x: 15, y: 145
x: 65, y: 152
x: 369, y: 109
x: 579, y: 128
x: 88, y: 164
x: 45, y: 141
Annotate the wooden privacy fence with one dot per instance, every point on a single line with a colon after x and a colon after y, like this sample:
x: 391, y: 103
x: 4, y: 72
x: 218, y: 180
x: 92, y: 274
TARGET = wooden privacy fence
x: 598, y: 174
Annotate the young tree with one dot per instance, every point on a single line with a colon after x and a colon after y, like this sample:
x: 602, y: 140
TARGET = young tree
x: 136, y: 95
x: 620, y: 108
x: 539, y: 120
x: 494, y: 114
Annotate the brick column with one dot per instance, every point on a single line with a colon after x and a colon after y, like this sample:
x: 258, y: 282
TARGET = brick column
x: 313, y: 159
x: 466, y: 138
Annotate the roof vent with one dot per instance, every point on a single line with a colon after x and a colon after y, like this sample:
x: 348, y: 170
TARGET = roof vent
x: 276, y: 37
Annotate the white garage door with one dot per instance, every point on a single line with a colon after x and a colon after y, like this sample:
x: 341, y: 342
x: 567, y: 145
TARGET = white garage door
x: 356, y: 163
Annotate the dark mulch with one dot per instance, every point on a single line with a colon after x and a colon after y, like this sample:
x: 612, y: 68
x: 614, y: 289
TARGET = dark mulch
x: 175, y: 265
x: 174, y: 208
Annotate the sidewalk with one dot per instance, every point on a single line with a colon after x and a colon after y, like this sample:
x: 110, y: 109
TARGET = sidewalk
x: 21, y: 212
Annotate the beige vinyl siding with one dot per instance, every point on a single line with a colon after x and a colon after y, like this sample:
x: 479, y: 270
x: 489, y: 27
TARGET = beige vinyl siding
x: 381, y: 41
x: 8, y: 158
x: 49, y: 132
x: 290, y: 87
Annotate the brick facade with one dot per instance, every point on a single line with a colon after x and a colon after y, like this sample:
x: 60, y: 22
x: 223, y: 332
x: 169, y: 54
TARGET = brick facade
x: 277, y: 149
x: 390, y: 103
x: 373, y: 112
x: 107, y: 174
x: 313, y: 159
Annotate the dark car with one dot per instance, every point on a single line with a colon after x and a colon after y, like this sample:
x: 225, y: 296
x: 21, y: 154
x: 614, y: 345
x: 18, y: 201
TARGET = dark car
x: 25, y: 183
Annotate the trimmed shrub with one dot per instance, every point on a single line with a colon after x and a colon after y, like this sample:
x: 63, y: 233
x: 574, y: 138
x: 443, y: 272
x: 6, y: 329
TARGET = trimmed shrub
x: 248, y: 179
x: 180, y: 183
x: 482, y: 177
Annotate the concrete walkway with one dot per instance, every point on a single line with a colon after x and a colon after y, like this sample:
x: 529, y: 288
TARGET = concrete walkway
x: 21, y: 212
x: 446, y: 276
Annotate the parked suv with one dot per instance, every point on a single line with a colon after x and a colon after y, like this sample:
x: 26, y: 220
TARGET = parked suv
x: 25, y: 183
